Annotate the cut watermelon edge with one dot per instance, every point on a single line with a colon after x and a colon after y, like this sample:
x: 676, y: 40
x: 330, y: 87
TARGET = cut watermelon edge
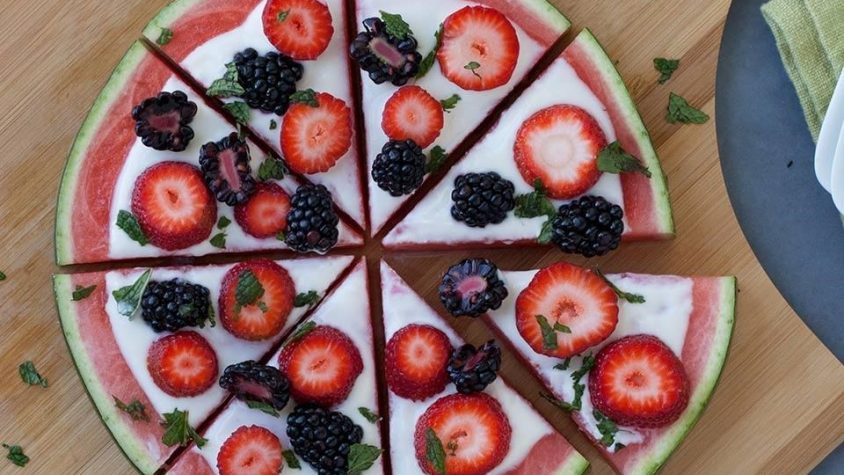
x: 167, y: 16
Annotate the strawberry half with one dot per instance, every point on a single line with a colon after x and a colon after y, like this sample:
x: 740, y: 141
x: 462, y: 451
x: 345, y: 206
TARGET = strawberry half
x: 480, y: 48
x: 638, y: 381
x: 250, y: 450
x: 580, y: 304
x: 560, y: 146
x: 322, y: 366
x: 314, y: 138
x: 300, y: 29
x: 264, y: 215
x: 473, y: 430
x: 182, y: 364
x: 265, y: 317
x: 411, y: 113
x: 173, y: 206
x: 416, y: 360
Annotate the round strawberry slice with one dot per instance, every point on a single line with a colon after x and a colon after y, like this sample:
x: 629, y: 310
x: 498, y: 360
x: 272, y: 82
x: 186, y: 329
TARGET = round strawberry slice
x: 473, y: 430
x: 256, y: 299
x: 322, y: 366
x: 173, y: 206
x: 638, y: 381
x: 182, y: 364
x: 264, y: 215
x: 566, y: 309
x: 313, y: 139
x: 559, y: 146
x: 416, y: 361
x: 300, y: 29
x: 479, y: 49
x: 250, y: 450
x: 413, y: 114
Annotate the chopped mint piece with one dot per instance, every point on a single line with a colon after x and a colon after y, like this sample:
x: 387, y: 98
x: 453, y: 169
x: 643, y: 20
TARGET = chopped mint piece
x: 282, y: 15
x: 438, y: 158
x: 535, y: 203
x: 613, y: 159
x: 308, y: 96
x: 165, y: 37
x: 680, y: 111
x: 219, y: 240
x: 434, y: 451
x: 666, y: 68
x: 135, y: 409
x: 273, y: 124
x: 361, y: 458
x: 16, y: 455
x: 606, y: 427
x: 228, y: 85
x: 559, y: 402
x: 281, y: 236
x: 30, y: 375
x: 223, y: 223
x: 428, y: 61
x: 396, y: 26
x: 306, y: 299
x: 129, y: 224
x: 248, y: 291
x: 129, y: 298
x: 290, y: 459
x: 82, y: 293
x: 549, y: 332
x: 564, y: 365
x: 546, y: 232
x: 369, y: 415
x: 473, y: 66
x: 450, y: 103
x: 263, y: 407
x: 272, y: 169
x: 632, y: 298
x: 300, y: 332
x: 2, y: 276
x: 177, y: 430
x: 239, y: 110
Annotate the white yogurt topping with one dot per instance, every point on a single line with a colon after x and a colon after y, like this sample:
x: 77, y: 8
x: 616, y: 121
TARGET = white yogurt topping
x: 494, y: 153
x: 134, y: 337
x: 424, y: 18
x: 664, y: 314
x: 403, y: 307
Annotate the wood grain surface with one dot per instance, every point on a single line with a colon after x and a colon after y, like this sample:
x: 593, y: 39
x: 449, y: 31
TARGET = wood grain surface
x: 779, y: 408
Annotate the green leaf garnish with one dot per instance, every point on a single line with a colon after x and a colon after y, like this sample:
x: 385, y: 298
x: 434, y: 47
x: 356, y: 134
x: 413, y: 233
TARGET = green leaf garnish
x: 535, y: 203
x: 30, y: 375
x: 223, y: 222
x: 248, y: 291
x: 135, y: 409
x: 679, y: 110
x: 666, y: 68
x: 632, y: 298
x: 129, y: 298
x: 282, y: 15
x: 228, y: 85
x: 438, y: 158
x: 606, y: 427
x: 308, y: 97
x: 263, y: 407
x: 239, y: 110
x: 473, y: 66
x: 290, y: 459
x: 434, y: 451
x: 2, y: 276
x: 16, y: 455
x: 300, y: 332
x: 272, y: 169
x: 273, y: 124
x: 165, y: 37
x: 613, y: 159
x: 549, y: 332
x: 281, y: 236
x: 546, y: 232
x: 559, y: 327
x: 450, y: 103
x: 177, y: 430
x: 219, y: 240
x: 564, y: 365
x: 361, y: 458
x: 129, y: 224
x: 82, y: 293
x: 395, y: 25
x: 428, y: 61
x: 558, y: 402
x: 306, y: 299
x: 369, y: 415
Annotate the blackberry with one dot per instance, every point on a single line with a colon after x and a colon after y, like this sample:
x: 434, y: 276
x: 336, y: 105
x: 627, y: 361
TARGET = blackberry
x: 251, y: 381
x: 384, y: 56
x: 162, y: 121
x: 399, y: 168
x: 471, y: 288
x: 473, y: 369
x: 269, y: 80
x: 216, y: 158
x: 589, y: 226
x: 311, y: 221
x: 174, y: 304
x: 322, y: 438
x: 482, y: 198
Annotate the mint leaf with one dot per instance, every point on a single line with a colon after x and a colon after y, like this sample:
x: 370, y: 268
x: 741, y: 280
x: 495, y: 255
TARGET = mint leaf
x: 613, y: 159
x: 219, y: 241
x: 559, y: 327
x: 281, y: 236
x: 450, y: 103
x: 263, y: 407
x: 535, y: 203
x: 666, y: 68
x: 680, y: 111
x: 434, y: 451
x: 632, y: 298
x: 177, y: 430
x: 558, y: 402
x: 308, y: 96
x: 306, y: 299
x: 2, y: 276
x: 239, y: 110
x: 606, y: 427
x: 300, y: 332
x: 564, y: 365
x: 228, y: 85
x: 165, y: 37
x: 129, y: 298
x: 82, y: 293
x: 129, y: 224
x: 30, y: 375
x: 136, y: 409
x: 428, y: 61
x: 361, y: 457
x: 438, y: 158
x: 369, y: 415
x: 290, y: 459
x: 395, y: 25
x: 273, y: 124
x: 549, y: 332
x: 282, y: 15
x: 248, y: 290
x: 546, y: 232
x: 223, y: 223
x: 16, y: 455
x: 272, y: 169
x: 473, y: 66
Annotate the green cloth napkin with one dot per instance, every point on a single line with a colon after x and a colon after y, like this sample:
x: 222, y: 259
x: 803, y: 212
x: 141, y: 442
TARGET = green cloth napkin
x: 810, y: 38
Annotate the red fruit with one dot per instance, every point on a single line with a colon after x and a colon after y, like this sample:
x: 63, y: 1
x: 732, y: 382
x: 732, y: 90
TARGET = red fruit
x: 322, y: 366
x: 412, y: 113
x: 314, y: 138
x: 560, y: 146
x: 250, y: 450
x: 265, y: 318
x: 638, y: 381
x: 479, y: 49
x: 182, y: 364
x: 571, y: 296
x: 473, y: 430
x: 173, y: 206
x: 300, y: 29
x: 416, y: 361
x: 264, y: 215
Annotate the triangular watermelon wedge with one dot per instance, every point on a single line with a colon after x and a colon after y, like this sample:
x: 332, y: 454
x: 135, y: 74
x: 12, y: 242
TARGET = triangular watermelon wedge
x: 538, y: 25
x: 535, y: 447
x: 110, y: 350
x: 346, y: 308
x: 583, y: 76
x: 694, y: 316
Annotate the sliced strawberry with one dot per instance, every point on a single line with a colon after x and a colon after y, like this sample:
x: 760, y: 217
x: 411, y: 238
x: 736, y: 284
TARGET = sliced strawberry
x: 479, y: 49
x: 264, y: 215
x: 638, y: 381
x: 322, y: 366
x: 265, y: 317
x: 173, y: 206
x: 182, y: 364
x: 473, y: 430
x: 412, y: 113
x: 300, y: 29
x: 314, y: 138
x: 416, y: 361
x: 560, y: 146
x: 580, y: 304
x: 250, y: 450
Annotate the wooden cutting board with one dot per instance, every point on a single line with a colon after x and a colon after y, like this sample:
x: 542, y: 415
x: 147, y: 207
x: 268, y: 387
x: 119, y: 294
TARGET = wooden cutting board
x: 779, y: 407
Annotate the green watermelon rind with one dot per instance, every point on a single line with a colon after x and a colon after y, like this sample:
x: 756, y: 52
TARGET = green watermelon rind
x: 167, y: 16
x: 545, y: 10
x: 76, y: 158
x: 659, y: 185
x: 576, y: 464
x: 120, y: 431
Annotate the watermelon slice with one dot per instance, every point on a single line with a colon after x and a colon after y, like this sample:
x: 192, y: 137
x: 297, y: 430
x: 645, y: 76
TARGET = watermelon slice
x: 583, y: 76
x: 110, y: 351
x: 535, y: 447
x: 346, y: 308
x: 538, y: 26
x: 694, y: 316
x: 206, y: 34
